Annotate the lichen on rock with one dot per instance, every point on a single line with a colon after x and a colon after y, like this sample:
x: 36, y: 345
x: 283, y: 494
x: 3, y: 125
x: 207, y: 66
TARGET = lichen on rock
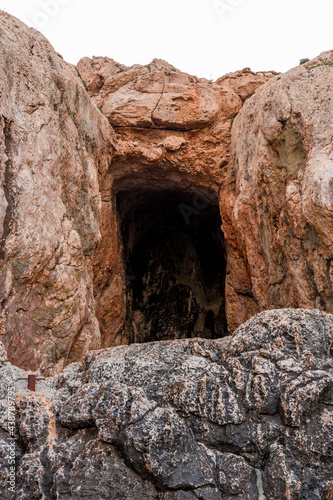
x: 243, y: 417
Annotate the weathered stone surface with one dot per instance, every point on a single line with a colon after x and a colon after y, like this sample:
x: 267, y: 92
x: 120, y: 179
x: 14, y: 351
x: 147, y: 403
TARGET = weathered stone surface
x: 236, y: 476
x: 156, y: 95
x: 85, y: 467
x: 63, y: 287
x: 132, y: 97
x: 276, y: 203
x: 244, y: 83
x: 62, y: 272
x: 3, y: 354
x: 120, y: 422
x: 53, y: 143
x: 173, y: 132
x: 243, y: 417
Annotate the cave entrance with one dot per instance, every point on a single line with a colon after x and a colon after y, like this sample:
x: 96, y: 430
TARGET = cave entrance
x: 175, y: 264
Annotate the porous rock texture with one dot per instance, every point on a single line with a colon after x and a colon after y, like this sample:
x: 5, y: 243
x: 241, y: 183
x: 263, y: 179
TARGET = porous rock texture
x: 243, y: 417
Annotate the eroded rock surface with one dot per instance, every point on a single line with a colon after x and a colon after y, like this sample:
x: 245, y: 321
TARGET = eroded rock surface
x: 68, y: 175
x: 277, y: 201
x: 247, y: 416
x: 159, y: 95
x: 53, y: 144
x: 173, y: 136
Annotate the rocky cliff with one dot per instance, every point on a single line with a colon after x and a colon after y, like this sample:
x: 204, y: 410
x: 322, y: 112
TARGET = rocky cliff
x: 54, y: 142
x: 146, y: 215
x: 277, y: 204
x: 70, y: 186
x: 116, y: 182
x: 173, y: 142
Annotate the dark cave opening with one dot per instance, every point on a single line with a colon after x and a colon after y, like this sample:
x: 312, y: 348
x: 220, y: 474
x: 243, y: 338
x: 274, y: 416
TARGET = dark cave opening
x: 175, y: 264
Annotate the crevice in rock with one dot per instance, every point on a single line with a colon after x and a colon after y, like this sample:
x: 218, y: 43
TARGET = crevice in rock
x: 174, y: 261
x: 159, y: 100
x: 8, y: 187
x: 283, y: 123
x: 144, y: 474
x: 48, y: 477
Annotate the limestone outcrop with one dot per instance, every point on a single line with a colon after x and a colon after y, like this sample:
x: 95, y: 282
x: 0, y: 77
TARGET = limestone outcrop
x: 142, y: 203
x: 247, y: 416
x: 54, y: 142
x: 277, y: 201
x: 173, y: 134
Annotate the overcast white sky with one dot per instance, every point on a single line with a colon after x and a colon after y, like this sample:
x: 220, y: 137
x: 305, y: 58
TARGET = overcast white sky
x: 207, y: 38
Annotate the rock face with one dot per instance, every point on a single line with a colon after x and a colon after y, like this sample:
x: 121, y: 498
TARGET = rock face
x: 110, y: 234
x: 127, y: 94
x: 173, y: 136
x: 247, y: 416
x: 157, y: 95
x: 53, y: 144
x: 277, y: 202
x: 110, y: 225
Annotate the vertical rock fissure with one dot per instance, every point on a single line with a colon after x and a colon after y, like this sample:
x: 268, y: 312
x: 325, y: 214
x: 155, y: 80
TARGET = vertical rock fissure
x: 8, y: 188
x: 159, y: 100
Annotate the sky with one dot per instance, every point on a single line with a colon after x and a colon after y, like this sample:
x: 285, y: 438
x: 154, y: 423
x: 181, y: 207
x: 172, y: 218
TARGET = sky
x: 206, y: 38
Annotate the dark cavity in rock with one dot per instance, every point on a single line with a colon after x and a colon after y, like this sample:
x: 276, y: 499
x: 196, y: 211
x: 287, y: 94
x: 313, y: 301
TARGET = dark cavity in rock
x: 175, y: 264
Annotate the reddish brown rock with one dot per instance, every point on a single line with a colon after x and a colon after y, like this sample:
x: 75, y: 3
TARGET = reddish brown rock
x: 71, y: 186
x: 277, y: 200
x: 173, y: 132
x: 53, y: 143
x: 245, y: 82
x: 156, y: 95
x: 174, y: 106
